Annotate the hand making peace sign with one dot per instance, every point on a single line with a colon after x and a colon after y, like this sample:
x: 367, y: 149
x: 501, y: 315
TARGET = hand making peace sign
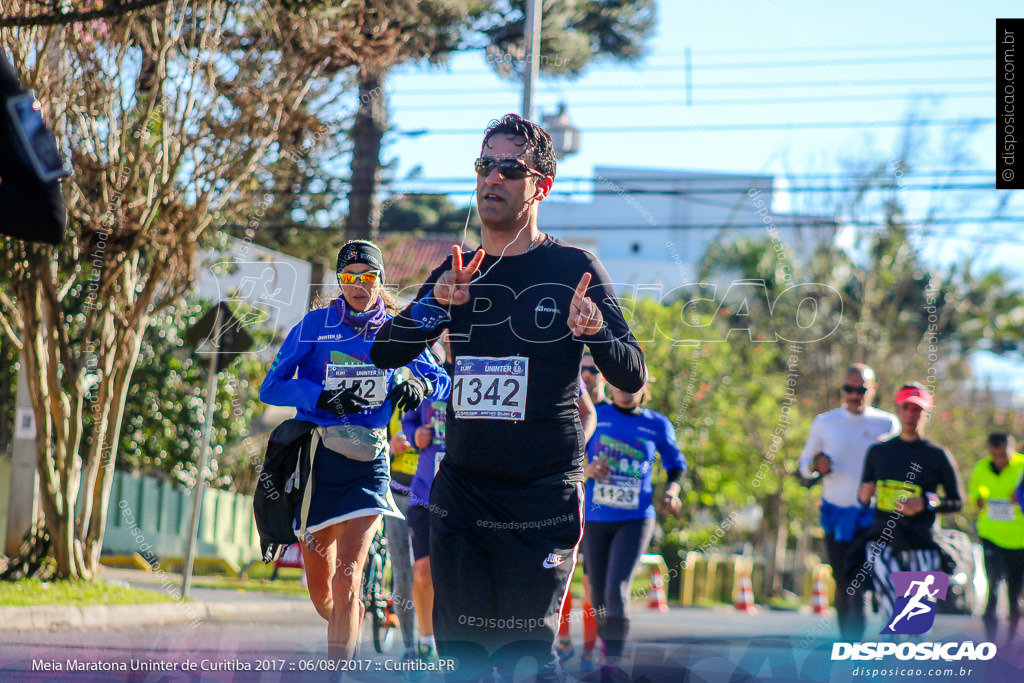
x: 452, y: 288
x: 584, y: 316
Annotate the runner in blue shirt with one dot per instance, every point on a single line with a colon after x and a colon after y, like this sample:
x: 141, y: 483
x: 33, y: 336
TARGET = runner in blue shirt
x: 323, y: 369
x: 619, y: 511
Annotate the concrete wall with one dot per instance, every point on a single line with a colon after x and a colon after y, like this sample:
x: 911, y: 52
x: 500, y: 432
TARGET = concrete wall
x: 147, y: 515
x: 150, y: 516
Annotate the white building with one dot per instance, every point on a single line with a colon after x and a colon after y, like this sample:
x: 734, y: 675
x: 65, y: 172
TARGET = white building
x: 652, y: 227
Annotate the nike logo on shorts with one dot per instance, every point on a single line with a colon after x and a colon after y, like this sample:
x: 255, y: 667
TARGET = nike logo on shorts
x: 553, y: 560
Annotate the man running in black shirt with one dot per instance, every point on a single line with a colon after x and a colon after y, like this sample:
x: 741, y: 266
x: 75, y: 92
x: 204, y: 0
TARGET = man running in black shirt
x: 904, y: 474
x: 506, y: 505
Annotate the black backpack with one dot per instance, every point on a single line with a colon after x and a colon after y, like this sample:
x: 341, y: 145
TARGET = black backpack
x: 282, y: 481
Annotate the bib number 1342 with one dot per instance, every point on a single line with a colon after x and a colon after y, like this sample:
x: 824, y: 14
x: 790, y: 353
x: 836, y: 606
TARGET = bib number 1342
x: 490, y: 388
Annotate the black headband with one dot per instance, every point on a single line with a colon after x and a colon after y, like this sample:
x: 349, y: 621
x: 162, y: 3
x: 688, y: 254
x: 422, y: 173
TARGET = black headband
x: 360, y: 252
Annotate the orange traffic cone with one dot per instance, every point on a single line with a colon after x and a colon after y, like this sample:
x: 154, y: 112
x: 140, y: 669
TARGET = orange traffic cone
x: 744, y: 590
x: 819, y: 597
x: 656, y: 593
x: 392, y: 618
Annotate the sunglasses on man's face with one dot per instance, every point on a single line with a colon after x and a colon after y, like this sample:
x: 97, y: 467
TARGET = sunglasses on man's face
x: 510, y: 169
x: 367, y: 278
x: 591, y: 369
x: 861, y: 390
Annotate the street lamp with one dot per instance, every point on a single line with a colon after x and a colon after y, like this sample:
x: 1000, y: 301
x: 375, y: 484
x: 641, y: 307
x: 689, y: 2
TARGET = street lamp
x: 564, y: 136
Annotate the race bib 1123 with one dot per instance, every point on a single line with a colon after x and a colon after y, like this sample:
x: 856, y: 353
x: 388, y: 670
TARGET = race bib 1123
x: 618, y: 492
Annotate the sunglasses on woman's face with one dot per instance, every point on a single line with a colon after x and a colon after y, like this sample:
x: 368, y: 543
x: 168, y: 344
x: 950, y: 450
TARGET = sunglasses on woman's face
x: 848, y: 389
x: 510, y: 169
x: 367, y: 278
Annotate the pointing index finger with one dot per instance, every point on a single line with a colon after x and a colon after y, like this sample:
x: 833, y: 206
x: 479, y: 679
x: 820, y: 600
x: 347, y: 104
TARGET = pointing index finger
x: 581, y: 288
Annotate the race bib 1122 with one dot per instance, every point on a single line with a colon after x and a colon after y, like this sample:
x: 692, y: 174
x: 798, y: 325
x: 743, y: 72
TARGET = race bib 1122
x: 369, y: 381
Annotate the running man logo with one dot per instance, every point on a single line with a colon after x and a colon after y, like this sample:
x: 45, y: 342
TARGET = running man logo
x: 917, y: 595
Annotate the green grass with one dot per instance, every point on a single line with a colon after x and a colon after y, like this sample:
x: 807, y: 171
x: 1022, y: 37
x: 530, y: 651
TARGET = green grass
x: 259, y: 570
x: 36, y: 592
x: 641, y: 582
x: 787, y: 604
x: 285, y: 584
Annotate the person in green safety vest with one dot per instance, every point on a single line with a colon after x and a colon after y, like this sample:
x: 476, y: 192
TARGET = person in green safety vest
x: 1000, y: 526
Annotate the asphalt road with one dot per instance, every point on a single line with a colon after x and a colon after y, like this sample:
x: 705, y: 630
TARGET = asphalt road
x: 690, y: 645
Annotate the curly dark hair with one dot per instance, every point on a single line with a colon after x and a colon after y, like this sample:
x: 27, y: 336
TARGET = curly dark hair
x: 535, y: 139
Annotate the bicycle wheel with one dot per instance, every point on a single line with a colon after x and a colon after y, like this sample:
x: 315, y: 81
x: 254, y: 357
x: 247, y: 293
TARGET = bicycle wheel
x: 383, y: 582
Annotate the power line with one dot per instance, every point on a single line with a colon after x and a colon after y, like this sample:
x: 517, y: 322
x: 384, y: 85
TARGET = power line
x: 788, y: 222
x: 791, y: 64
x: 835, y: 84
x: 974, y: 44
x: 690, y: 176
x: 798, y: 221
x: 852, y: 61
x: 729, y: 102
x: 790, y: 190
x: 512, y: 89
x: 395, y: 188
x: 781, y: 222
x: 699, y: 128
x: 61, y: 17
x: 842, y: 48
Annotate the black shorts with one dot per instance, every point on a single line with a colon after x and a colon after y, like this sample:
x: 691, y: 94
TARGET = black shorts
x: 418, y: 519
x: 501, y: 558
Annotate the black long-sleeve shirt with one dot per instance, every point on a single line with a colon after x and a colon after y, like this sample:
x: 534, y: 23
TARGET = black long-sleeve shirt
x: 911, y: 469
x: 520, y: 309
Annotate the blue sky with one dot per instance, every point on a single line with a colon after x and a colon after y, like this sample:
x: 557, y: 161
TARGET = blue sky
x: 870, y: 63
x: 758, y: 62
x: 803, y: 40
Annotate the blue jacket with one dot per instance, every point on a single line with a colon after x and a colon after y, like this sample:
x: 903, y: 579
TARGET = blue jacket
x: 629, y: 444
x: 321, y: 345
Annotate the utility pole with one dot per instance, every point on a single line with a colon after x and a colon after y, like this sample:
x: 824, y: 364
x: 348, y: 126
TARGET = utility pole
x: 531, y: 41
x: 220, y: 334
x: 197, y: 490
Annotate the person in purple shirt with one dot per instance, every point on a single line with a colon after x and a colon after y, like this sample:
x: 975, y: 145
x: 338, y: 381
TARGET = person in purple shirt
x: 1020, y: 495
x: 424, y: 428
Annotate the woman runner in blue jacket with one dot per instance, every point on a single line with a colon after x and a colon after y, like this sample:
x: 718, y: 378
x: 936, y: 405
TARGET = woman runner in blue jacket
x: 619, y: 512
x: 323, y: 369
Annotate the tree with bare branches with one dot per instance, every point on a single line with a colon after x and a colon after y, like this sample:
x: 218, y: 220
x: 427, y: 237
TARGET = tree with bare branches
x: 174, y: 116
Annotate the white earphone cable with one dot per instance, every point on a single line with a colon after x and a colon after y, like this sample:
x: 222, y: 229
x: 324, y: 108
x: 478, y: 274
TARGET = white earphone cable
x: 465, y: 231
